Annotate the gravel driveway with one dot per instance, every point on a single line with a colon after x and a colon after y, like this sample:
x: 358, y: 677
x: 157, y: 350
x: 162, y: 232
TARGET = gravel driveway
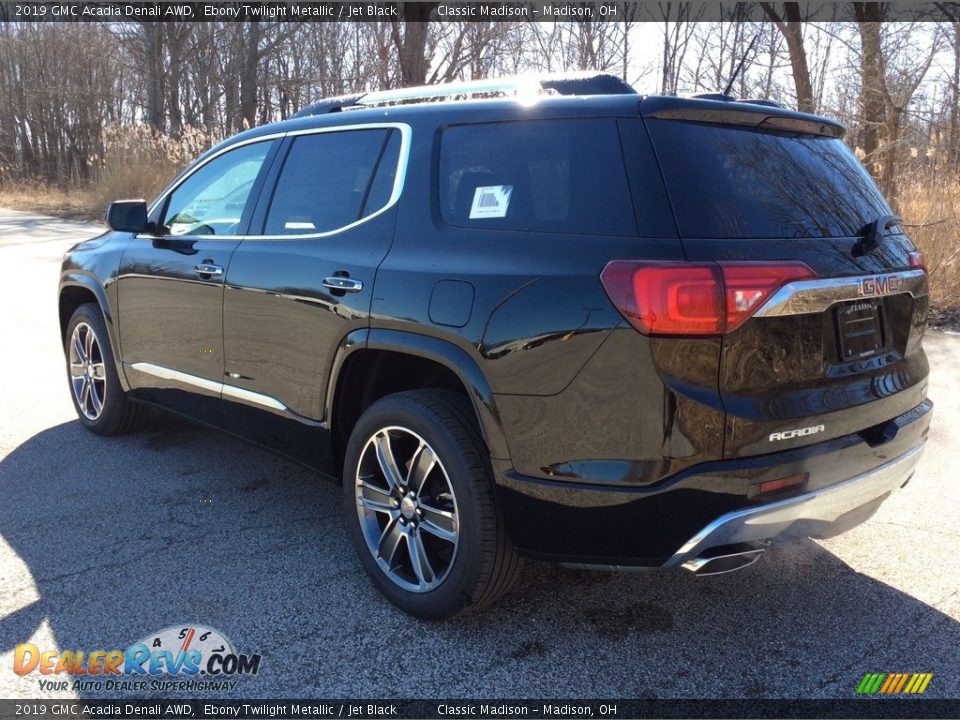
x: 104, y: 541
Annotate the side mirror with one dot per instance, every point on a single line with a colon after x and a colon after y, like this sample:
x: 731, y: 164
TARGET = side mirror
x: 127, y: 216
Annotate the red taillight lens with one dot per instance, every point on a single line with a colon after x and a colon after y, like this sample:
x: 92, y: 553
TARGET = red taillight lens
x: 750, y: 285
x: 917, y: 261
x: 667, y: 298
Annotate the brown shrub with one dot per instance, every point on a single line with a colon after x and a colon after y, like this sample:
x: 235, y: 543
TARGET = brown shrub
x: 930, y: 207
x: 139, y: 162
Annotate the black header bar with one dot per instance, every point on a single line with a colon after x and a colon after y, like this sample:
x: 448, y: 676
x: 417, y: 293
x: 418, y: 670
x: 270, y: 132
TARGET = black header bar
x: 471, y: 709
x: 556, y: 11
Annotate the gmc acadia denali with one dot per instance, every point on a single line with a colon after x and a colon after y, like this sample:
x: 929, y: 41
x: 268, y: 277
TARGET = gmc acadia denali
x: 550, y: 318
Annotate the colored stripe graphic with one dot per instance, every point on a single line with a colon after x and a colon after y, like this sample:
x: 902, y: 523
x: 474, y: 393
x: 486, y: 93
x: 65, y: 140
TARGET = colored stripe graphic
x: 891, y: 681
x: 894, y: 683
x: 903, y: 679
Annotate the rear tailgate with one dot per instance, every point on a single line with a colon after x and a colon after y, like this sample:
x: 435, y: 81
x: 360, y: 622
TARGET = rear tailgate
x: 831, y: 355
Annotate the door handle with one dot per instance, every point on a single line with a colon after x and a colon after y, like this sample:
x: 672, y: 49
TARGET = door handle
x: 345, y: 284
x: 208, y: 269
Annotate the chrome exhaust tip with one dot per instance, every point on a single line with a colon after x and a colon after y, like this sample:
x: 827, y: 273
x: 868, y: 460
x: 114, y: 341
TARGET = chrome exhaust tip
x: 725, y: 559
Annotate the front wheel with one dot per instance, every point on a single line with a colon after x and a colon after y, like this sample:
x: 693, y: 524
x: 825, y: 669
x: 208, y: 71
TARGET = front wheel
x: 418, y: 496
x: 98, y: 398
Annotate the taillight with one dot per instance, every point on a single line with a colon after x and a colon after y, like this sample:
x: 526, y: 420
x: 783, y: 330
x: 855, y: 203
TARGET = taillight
x: 679, y: 298
x: 750, y: 285
x: 917, y: 261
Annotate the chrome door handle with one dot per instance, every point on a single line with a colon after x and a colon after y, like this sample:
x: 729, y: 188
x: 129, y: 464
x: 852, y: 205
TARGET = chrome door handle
x: 207, y: 269
x: 343, y: 283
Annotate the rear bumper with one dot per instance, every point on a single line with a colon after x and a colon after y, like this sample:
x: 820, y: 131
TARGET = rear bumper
x: 712, y: 505
x: 814, y: 514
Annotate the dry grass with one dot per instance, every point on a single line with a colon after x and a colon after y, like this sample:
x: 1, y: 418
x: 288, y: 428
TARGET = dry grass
x: 137, y: 163
x: 74, y: 203
x: 930, y: 206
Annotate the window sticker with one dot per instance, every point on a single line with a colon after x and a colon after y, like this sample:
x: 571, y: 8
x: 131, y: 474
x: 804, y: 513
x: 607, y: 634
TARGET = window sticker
x: 299, y: 225
x: 490, y: 201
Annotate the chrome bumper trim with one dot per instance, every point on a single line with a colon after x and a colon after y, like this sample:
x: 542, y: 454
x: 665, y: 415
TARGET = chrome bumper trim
x: 800, y: 516
x: 802, y: 297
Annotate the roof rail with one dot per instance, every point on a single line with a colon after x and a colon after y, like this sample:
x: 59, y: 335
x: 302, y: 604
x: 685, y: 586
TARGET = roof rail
x: 501, y: 87
x: 521, y: 86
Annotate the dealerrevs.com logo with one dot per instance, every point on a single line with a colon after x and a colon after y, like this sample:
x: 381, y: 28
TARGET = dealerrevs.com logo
x: 187, y: 657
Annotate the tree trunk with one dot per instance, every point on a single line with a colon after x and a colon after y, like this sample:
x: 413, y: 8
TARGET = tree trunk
x: 153, y: 61
x: 791, y: 27
x: 412, y: 45
x: 873, y: 92
x: 248, y: 75
x: 888, y: 176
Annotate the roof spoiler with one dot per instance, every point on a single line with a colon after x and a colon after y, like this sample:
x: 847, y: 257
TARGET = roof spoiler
x: 745, y: 113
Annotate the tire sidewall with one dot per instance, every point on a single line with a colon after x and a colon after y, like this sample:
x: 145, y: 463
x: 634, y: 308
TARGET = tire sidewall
x: 113, y: 402
x: 457, y: 589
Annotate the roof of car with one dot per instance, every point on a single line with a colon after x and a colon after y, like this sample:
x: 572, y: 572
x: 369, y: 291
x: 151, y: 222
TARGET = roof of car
x: 406, y: 105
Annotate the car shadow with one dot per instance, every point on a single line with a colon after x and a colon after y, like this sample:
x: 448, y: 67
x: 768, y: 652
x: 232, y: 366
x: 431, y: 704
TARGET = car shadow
x: 114, y: 539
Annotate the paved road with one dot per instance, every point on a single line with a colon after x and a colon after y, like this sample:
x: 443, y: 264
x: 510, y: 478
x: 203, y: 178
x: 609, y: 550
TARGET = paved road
x: 103, y: 541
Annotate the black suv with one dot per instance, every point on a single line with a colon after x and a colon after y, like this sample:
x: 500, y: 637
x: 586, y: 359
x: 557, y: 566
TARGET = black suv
x: 551, y: 319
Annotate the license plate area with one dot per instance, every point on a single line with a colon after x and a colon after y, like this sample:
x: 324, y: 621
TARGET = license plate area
x: 860, y: 329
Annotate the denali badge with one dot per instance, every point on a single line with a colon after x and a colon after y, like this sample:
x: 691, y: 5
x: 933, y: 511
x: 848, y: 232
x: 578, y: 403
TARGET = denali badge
x: 878, y: 285
x: 798, y: 432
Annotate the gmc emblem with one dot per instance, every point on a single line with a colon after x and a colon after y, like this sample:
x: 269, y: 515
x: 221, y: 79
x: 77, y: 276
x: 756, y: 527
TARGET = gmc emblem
x: 878, y: 285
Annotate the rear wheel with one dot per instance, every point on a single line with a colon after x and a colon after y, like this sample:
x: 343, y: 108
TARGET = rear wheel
x: 101, y: 404
x: 418, y: 496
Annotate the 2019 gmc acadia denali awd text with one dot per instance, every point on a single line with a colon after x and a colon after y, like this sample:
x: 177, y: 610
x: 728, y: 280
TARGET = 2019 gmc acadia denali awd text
x: 579, y: 325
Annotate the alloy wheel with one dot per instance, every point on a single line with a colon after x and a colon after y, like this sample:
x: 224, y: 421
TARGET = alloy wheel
x: 88, y: 375
x: 407, y: 509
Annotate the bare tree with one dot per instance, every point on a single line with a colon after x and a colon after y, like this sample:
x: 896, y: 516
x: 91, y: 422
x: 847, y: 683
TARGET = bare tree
x: 790, y: 26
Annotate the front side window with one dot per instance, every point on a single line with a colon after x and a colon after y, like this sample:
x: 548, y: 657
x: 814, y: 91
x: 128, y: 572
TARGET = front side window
x: 331, y: 180
x: 212, y: 200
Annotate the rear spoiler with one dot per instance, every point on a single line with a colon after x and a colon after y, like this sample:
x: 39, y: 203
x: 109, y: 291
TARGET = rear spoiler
x: 741, y: 113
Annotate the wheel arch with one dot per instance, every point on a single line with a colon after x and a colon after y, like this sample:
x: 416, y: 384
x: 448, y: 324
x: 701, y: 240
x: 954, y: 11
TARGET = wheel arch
x: 77, y: 289
x: 380, y: 362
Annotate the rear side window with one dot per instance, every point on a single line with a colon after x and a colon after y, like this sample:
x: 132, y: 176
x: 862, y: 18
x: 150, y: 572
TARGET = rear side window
x: 328, y: 179
x: 563, y: 176
x: 730, y: 182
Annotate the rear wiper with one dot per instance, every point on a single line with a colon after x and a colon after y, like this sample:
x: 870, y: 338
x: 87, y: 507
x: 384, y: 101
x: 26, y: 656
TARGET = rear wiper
x: 874, y: 233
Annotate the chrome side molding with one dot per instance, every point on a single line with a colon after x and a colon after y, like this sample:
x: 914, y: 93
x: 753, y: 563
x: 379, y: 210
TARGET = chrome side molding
x: 803, y: 297
x: 231, y: 392
x: 165, y: 373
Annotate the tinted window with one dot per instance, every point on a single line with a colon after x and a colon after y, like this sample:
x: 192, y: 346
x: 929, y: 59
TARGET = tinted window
x: 212, y: 200
x: 382, y: 186
x: 728, y: 182
x: 654, y: 215
x: 564, y: 176
x: 326, y: 181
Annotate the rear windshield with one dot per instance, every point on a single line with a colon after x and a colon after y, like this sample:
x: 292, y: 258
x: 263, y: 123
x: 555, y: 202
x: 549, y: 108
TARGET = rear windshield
x: 561, y: 176
x: 728, y: 182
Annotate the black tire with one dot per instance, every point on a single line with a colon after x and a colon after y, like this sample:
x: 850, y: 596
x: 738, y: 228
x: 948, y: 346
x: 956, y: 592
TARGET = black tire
x: 117, y: 413
x: 484, y: 565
